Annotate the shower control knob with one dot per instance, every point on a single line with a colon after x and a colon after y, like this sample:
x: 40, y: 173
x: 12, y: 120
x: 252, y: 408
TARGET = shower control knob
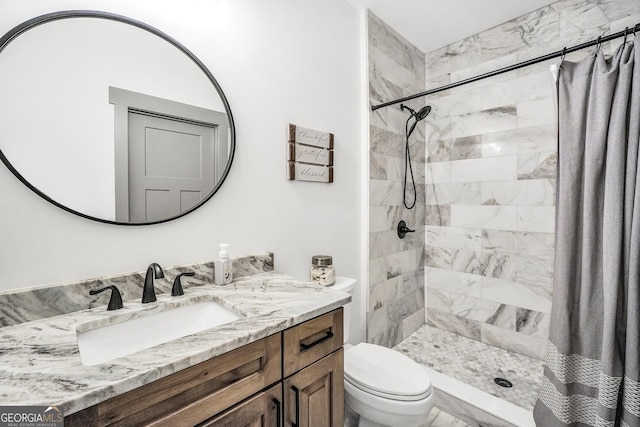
x: 403, y: 229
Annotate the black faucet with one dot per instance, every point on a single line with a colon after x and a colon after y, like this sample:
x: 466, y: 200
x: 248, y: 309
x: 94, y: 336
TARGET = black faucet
x: 115, y: 302
x: 177, y: 290
x: 154, y: 271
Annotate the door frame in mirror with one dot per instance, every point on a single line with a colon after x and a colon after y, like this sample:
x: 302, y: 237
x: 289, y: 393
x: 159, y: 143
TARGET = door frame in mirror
x: 55, y: 16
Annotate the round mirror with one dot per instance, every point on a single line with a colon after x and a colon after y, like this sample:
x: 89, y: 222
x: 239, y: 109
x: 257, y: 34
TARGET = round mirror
x: 111, y: 119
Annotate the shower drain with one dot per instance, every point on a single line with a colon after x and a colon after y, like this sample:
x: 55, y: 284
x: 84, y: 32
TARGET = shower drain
x: 503, y: 382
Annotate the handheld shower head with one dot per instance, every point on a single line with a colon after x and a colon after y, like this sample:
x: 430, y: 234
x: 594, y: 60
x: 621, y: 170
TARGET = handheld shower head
x: 420, y: 115
x: 423, y: 112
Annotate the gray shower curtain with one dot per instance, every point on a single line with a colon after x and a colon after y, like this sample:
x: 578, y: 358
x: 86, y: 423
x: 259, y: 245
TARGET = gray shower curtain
x: 592, y: 361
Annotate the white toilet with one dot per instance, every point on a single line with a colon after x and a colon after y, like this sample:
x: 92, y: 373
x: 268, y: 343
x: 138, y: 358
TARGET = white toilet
x: 381, y: 385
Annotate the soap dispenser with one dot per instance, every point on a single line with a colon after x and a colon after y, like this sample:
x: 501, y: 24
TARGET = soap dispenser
x: 223, y: 267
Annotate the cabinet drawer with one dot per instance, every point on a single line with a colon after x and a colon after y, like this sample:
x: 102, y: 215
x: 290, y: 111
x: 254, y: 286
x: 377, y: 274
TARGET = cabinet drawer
x: 192, y: 395
x: 311, y: 341
x: 262, y: 410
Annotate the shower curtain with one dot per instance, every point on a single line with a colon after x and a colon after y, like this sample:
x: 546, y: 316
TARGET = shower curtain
x: 592, y: 361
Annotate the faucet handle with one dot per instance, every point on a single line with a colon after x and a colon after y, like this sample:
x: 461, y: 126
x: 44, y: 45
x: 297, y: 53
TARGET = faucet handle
x: 115, y: 301
x: 177, y: 290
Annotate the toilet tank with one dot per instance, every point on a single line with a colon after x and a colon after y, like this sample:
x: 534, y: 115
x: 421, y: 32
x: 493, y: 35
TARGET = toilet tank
x: 346, y: 284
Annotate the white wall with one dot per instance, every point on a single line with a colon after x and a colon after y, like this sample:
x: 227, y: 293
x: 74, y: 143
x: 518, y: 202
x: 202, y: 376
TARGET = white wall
x: 278, y: 62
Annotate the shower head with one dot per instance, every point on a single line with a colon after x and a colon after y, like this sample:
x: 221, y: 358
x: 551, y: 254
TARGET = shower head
x: 420, y: 115
x: 423, y: 112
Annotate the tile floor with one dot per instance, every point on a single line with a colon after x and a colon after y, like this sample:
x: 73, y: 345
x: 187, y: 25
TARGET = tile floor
x: 476, y: 364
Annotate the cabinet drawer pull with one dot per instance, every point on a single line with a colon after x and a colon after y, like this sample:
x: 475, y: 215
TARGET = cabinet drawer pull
x: 297, y: 403
x: 304, y: 346
x: 278, y: 414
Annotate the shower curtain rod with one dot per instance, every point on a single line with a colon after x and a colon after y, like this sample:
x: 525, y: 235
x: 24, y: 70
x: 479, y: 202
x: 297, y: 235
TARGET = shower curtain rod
x: 562, y: 52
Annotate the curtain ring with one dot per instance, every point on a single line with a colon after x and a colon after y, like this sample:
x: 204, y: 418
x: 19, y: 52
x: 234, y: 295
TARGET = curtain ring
x: 564, y: 52
x: 598, y: 43
x: 626, y: 32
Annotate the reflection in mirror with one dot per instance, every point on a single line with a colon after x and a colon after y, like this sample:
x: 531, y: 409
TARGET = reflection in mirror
x: 111, y: 119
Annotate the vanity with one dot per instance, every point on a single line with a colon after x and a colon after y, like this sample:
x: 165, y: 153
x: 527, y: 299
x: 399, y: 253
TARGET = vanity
x: 279, y: 364
x: 299, y: 370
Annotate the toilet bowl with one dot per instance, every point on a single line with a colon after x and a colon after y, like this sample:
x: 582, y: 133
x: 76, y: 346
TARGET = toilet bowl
x: 382, y: 386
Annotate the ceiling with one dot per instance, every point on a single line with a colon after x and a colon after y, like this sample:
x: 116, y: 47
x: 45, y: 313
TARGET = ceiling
x: 432, y: 24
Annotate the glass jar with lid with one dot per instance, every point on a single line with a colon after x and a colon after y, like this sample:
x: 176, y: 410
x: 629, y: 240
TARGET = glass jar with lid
x: 322, y: 270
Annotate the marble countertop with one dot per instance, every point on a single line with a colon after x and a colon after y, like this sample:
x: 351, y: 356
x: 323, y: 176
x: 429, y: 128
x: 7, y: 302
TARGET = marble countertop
x: 40, y: 361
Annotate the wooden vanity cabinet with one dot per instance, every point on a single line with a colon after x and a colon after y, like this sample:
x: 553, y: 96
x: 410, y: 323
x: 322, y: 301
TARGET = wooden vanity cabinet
x: 314, y: 372
x: 292, y: 378
x: 192, y: 395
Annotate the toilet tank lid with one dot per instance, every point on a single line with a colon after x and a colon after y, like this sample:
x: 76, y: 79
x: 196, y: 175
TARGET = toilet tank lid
x: 344, y: 284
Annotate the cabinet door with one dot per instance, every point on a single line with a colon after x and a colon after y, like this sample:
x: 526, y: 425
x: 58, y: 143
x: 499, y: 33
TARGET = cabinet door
x: 262, y: 410
x: 314, y: 397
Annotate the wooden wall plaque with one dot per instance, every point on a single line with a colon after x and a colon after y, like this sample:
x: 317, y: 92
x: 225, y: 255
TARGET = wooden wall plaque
x: 309, y: 155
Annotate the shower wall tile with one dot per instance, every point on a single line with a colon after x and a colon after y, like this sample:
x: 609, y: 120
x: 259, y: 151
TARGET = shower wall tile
x: 438, y: 215
x: 498, y: 241
x: 469, y: 147
x: 518, y: 90
x: 536, y: 271
x: 536, y: 218
x: 454, y: 281
x: 486, y: 161
x: 456, y: 104
x: 493, y: 217
x: 454, y: 238
x: 491, y: 160
x: 502, y: 168
x: 516, y: 294
x: 513, y: 341
x: 493, y: 120
x: 384, y: 218
x: 378, y: 166
x: 412, y: 323
x: 519, y: 193
x: 396, y: 266
x: 453, y: 193
x: 384, y: 242
x: 537, y: 165
x: 536, y: 113
x: 386, y: 39
x: 464, y: 306
x: 452, y: 323
x: 530, y: 140
x: 383, y: 293
x: 539, y: 245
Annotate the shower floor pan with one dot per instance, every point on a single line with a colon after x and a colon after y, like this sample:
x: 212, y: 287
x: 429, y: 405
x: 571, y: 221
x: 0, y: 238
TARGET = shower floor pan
x: 463, y: 373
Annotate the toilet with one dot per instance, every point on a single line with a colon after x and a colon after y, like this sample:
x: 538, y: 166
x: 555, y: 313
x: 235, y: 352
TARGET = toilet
x: 381, y: 385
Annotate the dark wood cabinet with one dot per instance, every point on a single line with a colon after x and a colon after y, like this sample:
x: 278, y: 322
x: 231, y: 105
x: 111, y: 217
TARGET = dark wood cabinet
x: 314, y: 396
x: 250, y: 386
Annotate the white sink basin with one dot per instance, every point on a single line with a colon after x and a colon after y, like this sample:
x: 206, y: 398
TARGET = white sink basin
x: 110, y: 342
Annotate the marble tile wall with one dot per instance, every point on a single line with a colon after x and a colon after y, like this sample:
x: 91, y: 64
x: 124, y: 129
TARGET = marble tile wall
x: 490, y: 174
x: 396, y: 304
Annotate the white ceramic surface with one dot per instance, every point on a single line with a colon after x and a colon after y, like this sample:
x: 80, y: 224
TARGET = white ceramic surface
x: 110, y: 342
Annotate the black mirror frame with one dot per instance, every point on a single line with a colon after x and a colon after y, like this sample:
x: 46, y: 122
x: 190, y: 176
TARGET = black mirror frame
x: 55, y: 16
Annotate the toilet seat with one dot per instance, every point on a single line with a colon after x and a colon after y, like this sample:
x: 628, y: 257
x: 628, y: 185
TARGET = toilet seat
x: 385, y: 373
